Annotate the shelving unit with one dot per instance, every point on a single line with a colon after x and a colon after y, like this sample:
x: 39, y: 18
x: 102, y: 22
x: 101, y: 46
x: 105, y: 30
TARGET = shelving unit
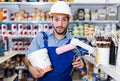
x: 11, y: 78
x: 21, y: 53
x: 95, y: 21
x: 50, y: 3
x: 111, y: 70
x: 27, y: 22
x: 74, y: 21
x: 8, y: 55
x: 16, y: 6
x: 21, y: 68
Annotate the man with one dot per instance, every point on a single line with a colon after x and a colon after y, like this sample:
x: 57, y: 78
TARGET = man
x: 62, y: 64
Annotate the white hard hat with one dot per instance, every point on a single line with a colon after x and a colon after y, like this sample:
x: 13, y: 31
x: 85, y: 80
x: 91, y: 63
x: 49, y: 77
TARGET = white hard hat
x: 60, y: 7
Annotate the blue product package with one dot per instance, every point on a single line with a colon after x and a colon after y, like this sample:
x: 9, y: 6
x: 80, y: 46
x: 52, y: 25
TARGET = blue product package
x: 1, y: 46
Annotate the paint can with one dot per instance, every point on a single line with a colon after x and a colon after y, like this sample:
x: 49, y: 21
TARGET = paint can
x: 40, y: 58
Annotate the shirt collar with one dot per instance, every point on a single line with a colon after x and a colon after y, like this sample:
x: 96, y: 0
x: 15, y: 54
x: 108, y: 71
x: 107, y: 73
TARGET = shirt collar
x: 50, y: 32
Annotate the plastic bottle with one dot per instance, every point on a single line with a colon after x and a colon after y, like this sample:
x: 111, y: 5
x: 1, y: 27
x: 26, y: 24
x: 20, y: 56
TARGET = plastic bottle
x: 6, y: 43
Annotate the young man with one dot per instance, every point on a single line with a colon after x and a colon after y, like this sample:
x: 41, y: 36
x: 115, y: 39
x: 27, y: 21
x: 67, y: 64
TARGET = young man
x: 62, y: 64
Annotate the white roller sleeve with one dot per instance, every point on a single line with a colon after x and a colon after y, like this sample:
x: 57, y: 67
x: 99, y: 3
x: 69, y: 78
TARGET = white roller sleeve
x: 77, y: 42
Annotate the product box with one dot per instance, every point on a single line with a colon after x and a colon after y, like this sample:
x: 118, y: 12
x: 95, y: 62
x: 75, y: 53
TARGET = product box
x: 102, y: 14
x: 112, y: 13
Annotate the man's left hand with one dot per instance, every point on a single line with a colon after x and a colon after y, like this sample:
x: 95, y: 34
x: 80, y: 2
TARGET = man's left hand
x: 78, y: 63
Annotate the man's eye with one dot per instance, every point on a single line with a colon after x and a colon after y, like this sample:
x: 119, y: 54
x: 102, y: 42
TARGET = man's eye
x: 56, y: 19
x: 64, y: 19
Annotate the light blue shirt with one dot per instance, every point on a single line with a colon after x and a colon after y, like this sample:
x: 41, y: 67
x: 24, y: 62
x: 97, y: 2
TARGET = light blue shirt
x: 37, y: 42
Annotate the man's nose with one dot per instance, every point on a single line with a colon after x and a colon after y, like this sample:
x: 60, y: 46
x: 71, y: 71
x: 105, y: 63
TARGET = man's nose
x: 60, y: 23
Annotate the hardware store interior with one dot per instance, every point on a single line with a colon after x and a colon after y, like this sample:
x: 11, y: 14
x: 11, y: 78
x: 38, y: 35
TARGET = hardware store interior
x: 94, y: 23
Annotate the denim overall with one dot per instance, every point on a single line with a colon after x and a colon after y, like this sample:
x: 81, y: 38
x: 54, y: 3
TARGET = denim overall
x: 61, y: 64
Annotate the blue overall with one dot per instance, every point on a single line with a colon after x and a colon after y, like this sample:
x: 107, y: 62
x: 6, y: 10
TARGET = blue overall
x: 61, y: 64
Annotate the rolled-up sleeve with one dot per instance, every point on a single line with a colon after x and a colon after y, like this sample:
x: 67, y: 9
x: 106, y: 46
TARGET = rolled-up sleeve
x: 36, y: 44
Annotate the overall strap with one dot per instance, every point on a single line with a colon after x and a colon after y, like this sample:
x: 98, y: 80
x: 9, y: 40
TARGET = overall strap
x: 45, y: 38
x: 68, y: 41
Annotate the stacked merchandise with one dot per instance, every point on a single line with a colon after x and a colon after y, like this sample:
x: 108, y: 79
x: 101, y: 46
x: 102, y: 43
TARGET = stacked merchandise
x: 106, y: 13
x: 106, y: 42
x: 17, y: 36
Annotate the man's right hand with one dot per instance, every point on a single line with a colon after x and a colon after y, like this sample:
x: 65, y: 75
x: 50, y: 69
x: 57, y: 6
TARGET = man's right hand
x: 36, y: 72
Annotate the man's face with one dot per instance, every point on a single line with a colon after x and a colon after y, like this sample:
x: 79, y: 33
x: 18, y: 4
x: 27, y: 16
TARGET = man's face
x: 60, y: 22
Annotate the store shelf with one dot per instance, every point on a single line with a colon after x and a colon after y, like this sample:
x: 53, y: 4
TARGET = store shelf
x: 50, y: 3
x: 21, y: 53
x: 16, y: 22
x: 74, y: 21
x: 11, y: 78
x: 95, y: 21
x: 16, y: 6
x: 21, y: 68
x: 91, y: 3
x: 8, y: 55
x: 111, y: 70
x: 26, y: 3
x: 80, y: 37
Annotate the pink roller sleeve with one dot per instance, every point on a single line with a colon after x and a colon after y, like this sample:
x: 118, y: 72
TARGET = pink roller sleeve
x: 65, y: 48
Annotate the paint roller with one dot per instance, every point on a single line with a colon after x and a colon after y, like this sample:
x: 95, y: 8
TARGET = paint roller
x: 75, y: 43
